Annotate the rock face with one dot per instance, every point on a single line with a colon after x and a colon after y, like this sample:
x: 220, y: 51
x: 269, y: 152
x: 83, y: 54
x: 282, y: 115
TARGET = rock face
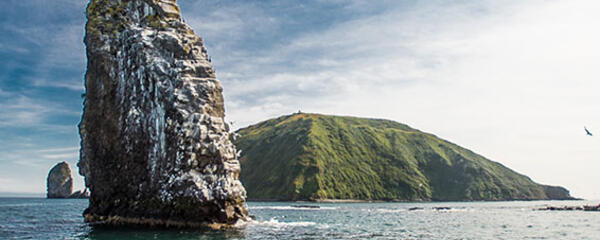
x: 155, y: 148
x: 557, y: 193
x: 59, y: 182
x: 80, y: 194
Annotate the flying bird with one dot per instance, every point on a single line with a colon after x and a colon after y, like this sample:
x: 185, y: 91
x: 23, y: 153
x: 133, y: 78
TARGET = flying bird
x: 587, y: 131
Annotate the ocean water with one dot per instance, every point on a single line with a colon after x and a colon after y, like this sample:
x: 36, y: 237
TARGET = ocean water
x: 38, y: 218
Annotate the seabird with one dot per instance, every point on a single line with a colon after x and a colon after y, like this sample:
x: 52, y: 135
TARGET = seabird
x: 587, y: 131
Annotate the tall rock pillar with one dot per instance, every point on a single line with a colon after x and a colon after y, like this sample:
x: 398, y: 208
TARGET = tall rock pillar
x: 155, y: 148
x: 59, y: 183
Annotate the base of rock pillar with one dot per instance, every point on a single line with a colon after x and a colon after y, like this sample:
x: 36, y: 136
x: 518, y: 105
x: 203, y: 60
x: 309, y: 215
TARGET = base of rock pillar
x: 96, y: 220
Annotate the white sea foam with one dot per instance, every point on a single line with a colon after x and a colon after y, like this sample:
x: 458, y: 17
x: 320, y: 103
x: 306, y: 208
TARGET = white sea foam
x: 274, y: 223
x: 455, y: 210
x: 397, y: 210
x: 387, y: 210
x: 291, y: 208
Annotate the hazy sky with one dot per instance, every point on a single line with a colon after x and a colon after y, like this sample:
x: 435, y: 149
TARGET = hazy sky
x: 514, y: 81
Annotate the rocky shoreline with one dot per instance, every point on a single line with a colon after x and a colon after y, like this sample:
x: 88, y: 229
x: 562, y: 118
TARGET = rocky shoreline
x: 588, y: 208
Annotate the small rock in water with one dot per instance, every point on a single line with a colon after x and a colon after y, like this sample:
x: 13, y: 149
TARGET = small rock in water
x: 441, y: 208
x: 591, y: 208
x: 415, y: 208
x: 571, y: 208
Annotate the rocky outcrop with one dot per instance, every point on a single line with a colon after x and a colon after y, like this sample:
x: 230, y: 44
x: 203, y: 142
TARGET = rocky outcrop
x: 557, y: 193
x: 80, y: 194
x: 155, y: 148
x: 59, y: 182
x: 588, y: 208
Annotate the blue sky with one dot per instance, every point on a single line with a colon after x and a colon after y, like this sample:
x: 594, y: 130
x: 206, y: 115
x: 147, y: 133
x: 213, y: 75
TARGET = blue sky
x: 515, y: 81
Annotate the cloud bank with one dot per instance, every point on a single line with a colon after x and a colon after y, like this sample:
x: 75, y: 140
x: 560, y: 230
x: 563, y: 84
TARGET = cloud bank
x: 512, y: 80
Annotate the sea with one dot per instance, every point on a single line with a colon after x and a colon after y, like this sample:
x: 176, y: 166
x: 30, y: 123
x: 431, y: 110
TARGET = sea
x: 39, y: 218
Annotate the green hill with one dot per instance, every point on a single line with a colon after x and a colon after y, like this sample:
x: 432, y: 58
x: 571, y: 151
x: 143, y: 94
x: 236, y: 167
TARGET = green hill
x: 316, y: 157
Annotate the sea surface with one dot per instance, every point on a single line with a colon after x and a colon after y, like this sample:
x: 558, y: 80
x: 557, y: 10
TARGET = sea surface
x: 38, y: 218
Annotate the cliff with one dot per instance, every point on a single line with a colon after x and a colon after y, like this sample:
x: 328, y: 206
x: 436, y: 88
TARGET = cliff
x: 59, y: 183
x: 316, y: 157
x: 155, y: 149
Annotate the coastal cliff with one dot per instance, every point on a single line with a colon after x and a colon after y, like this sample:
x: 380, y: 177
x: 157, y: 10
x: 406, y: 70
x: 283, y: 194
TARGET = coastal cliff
x: 155, y: 148
x: 321, y: 157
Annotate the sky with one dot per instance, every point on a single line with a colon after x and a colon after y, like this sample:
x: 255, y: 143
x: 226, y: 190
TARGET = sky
x: 515, y: 81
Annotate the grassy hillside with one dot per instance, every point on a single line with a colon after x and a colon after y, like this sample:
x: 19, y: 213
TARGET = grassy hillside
x: 313, y: 156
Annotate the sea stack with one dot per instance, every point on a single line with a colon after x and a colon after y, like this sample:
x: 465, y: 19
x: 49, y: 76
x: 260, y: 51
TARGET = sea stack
x: 59, y: 183
x: 155, y: 148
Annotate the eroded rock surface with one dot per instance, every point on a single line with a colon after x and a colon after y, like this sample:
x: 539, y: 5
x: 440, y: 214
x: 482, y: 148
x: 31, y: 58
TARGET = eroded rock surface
x: 59, y: 182
x: 80, y: 194
x: 557, y: 193
x: 155, y: 147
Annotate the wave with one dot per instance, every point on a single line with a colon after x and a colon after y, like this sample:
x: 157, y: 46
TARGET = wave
x: 22, y: 204
x: 274, y: 223
x: 397, y: 210
x: 291, y: 208
x: 454, y: 210
x: 387, y: 210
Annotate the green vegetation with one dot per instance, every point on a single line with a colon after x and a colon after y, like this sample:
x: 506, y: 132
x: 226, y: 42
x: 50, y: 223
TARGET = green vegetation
x: 313, y: 157
x: 109, y: 18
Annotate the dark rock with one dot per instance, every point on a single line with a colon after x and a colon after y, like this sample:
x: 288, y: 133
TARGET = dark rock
x: 591, y: 208
x: 80, y: 194
x: 571, y: 208
x: 415, y: 208
x: 441, y: 208
x: 155, y: 148
x: 557, y: 193
x: 59, y: 182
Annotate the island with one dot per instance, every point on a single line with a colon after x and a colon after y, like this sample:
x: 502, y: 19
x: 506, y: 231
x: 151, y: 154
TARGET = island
x: 316, y: 157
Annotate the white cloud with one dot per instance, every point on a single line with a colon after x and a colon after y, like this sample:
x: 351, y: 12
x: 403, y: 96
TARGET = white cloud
x: 60, y: 51
x: 226, y: 26
x: 71, y: 84
x: 14, y: 49
x: 67, y: 49
x: 37, y: 163
x: 15, y: 185
x: 20, y: 111
x: 72, y: 155
x: 54, y: 150
x: 514, y: 81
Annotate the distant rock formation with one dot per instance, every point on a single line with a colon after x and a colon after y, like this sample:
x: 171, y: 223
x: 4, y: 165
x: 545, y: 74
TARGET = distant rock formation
x: 155, y: 148
x: 80, y: 194
x: 59, y: 183
x: 587, y: 208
